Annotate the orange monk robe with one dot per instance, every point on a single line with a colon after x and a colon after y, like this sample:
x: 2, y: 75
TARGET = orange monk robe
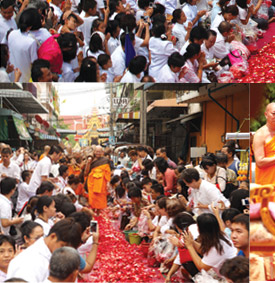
x: 266, y: 175
x: 97, y: 186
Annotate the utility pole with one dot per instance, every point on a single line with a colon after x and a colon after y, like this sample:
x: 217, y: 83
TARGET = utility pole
x: 111, y: 112
x: 143, y: 119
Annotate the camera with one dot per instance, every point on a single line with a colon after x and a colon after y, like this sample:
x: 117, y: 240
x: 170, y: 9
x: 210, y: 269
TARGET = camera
x: 245, y: 202
x: 93, y: 226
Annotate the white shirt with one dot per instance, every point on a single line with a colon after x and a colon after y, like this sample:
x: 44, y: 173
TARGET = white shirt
x: 216, y: 260
x: 62, y: 183
x: 54, y: 170
x: 22, y: 55
x: 5, y: 212
x: 209, y: 53
x: 118, y: 59
x: 3, y: 276
x: 4, y: 77
x: 206, y: 195
x: 218, y: 19
x: 85, y: 28
x: 40, y: 35
x: 43, y: 168
x: 23, y: 195
x: 57, y: 11
x: 113, y: 43
x: 221, y: 48
x: 6, y: 25
x: 166, y: 226
x: 130, y: 78
x: 190, y: 12
x: 166, y: 75
x: 179, y: 32
x: 160, y: 51
x: 12, y: 171
x: 45, y: 225
x: 32, y: 264
x: 219, y: 176
x: 170, y: 6
x: 68, y: 74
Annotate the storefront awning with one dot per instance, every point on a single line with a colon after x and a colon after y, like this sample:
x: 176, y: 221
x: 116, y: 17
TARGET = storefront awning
x: 185, y: 118
x: 128, y: 117
x: 21, y: 101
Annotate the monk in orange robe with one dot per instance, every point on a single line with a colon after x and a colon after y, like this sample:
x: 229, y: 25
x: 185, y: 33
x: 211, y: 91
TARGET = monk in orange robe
x: 264, y: 149
x: 98, y: 178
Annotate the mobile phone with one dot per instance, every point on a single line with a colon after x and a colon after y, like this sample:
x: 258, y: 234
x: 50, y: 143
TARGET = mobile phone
x: 245, y: 202
x: 93, y: 226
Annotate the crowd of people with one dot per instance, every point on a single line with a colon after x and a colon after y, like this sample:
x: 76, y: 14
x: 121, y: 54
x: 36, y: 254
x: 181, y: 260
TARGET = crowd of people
x: 130, y: 41
x: 194, y: 216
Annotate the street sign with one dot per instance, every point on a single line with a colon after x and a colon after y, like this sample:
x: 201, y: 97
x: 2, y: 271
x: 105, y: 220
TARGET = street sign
x: 122, y: 102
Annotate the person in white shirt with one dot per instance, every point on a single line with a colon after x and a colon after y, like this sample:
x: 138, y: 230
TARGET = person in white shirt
x: 62, y: 178
x: 118, y: 57
x: 160, y: 49
x: 114, y: 30
x: 116, y: 7
x: 45, y: 208
x: 191, y: 11
x: 215, y: 247
x: 207, y: 46
x: 64, y: 265
x: 22, y: 55
x: 181, y: 32
x: 135, y: 71
x: 222, y: 45
x: 8, y: 187
x: 182, y: 222
x: 43, y: 168
x: 69, y: 50
x: 55, y: 4
x: 7, y: 21
x: 7, y: 167
x: 203, y: 193
x: 228, y: 14
x: 170, y: 72
x: 105, y: 63
x: 88, y: 15
x: 214, y: 174
x: 32, y: 264
x: 6, y: 67
x: 23, y: 190
x: 7, y: 248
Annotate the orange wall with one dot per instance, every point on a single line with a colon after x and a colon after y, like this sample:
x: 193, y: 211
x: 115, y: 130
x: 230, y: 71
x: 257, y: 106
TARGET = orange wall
x: 216, y: 122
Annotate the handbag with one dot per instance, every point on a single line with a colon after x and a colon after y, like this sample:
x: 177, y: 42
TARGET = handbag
x: 231, y: 58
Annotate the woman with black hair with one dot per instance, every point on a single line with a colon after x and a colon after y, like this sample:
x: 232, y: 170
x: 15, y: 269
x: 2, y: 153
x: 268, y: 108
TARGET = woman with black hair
x: 182, y: 222
x: 168, y: 175
x: 160, y: 48
x: 113, y: 29
x: 228, y: 13
x: 194, y: 60
x: 213, y: 173
x: 180, y: 31
x: 89, y: 71
x: 22, y: 55
x: 5, y: 67
x: 30, y: 232
x: 212, y: 244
